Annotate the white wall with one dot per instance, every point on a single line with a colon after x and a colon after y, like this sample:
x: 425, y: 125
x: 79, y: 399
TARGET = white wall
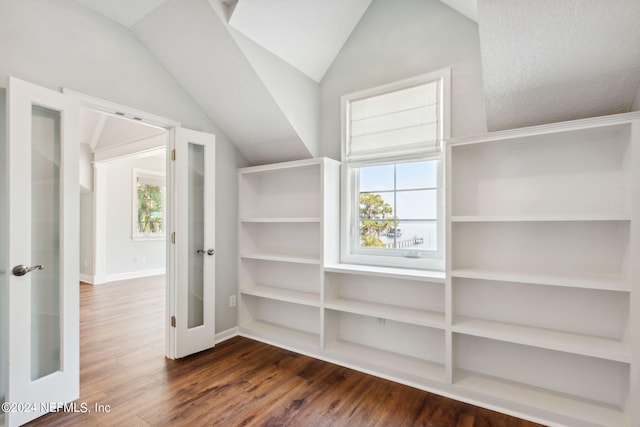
x: 126, y: 256
x: 86, y: 168
x: 62, y: 44
x: 392, y: 43
x: 636, y: 102
x: 86, y: 237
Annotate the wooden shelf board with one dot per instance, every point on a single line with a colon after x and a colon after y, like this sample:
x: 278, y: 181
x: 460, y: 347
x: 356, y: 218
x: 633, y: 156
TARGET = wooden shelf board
x: 387, y: 363
x: 389, y: 312
x: 280, y: 294
x: 280, y: 220
x: 542, y: 218
x: 282, y: 258
x: 390, y: 272
x: 590, y: 413
x: 585, y: 345
x: 585, y: 281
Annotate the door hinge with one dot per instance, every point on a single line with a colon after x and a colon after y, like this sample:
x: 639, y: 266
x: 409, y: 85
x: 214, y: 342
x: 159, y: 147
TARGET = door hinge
x: 173, y: 321
x: 173, y: 154
x: 173, y: 237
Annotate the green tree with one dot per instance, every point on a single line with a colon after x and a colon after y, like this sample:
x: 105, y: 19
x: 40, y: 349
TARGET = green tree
x: 149, y: 208
x: 376, y: 217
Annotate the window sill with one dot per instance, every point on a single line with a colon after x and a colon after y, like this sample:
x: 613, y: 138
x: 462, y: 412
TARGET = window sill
x: 393, y: 272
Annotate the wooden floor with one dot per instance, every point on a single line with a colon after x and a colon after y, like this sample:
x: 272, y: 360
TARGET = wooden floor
x: 240, y: 382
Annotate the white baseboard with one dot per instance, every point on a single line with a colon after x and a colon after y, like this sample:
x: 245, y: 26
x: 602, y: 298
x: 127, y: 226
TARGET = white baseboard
x: 88, y: 278
x: 95, y: 280
x: 135, y: 274
x: 225, y: 335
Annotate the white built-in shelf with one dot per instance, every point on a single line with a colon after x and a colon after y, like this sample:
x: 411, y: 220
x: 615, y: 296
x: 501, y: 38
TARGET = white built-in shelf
x: 386, y: 363
x: 281, y: 335
x: 390, y: 312
x: 389, y: 272
x: 280, y: 168
x: 282, y: 258
x: 542, y: 218
x: 546, y: 213
x: 538, y: 402
x: 280, y: 220
x: 281, y: 294
x: 585, y: 281
x: 602, y: 348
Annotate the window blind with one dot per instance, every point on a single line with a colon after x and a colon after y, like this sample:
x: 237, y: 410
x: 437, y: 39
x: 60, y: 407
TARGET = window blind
x: 396, y: 124
x: 151, y: 180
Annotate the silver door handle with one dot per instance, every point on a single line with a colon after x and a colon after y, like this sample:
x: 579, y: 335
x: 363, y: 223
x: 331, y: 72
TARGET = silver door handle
x: 208, y: 251
x: 21, y: 270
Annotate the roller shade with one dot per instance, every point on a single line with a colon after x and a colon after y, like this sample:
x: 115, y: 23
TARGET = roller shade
x: 159, y: 181
x: 395, y: 124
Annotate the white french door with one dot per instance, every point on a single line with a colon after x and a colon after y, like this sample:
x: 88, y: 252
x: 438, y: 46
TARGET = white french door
x: 193, y: 324
x: 43, y: 291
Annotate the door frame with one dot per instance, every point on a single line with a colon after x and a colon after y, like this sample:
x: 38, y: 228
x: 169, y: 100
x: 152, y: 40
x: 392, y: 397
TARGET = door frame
x: 124, y: 112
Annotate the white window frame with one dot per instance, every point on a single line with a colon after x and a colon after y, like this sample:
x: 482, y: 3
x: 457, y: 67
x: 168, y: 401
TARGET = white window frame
x: 153, y: 174
x: 350, y: 253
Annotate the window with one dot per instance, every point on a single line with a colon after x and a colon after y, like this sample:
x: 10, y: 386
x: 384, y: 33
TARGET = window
x: 149, y: 198
x: 392, y: 173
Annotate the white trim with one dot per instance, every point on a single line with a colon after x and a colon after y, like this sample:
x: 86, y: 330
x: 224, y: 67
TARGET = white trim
x: 97, y: 281
x: 122, y: 111
x: 87, y: 278
x: 580, y: 124
x: 228, y: 334
x: 100, y: 172
x: 135, y: 274
x: 146, y: 146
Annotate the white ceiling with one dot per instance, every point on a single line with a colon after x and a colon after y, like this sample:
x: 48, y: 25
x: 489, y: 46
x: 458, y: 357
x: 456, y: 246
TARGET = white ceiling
x: 307, y: 34
x: 542, y: 61
x: 468, y: 8
x: 102, y: 131
x: 126, y: 12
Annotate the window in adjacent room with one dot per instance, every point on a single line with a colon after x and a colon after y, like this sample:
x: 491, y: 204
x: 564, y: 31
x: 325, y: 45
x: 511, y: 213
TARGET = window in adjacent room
x: 149, y: 198
x: 392, y: 173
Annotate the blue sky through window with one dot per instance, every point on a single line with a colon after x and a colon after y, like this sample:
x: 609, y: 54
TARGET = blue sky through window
x: 411, y: 190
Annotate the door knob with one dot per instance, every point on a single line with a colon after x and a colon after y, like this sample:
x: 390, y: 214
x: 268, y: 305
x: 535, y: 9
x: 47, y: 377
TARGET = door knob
x: 208, y: 251
x: 21, y: 270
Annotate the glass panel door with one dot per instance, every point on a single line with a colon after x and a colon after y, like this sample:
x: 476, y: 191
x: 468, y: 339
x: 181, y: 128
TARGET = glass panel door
x: 45, y: 242
x: 43, y: 249
x: 197, y: 253
x: 194, y: 249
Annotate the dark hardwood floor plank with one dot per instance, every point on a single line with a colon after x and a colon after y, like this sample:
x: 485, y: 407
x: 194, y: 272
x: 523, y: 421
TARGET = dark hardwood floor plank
x: 240, y: 382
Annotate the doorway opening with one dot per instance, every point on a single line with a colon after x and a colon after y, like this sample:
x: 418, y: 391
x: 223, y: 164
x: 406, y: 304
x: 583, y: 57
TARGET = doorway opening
x: 123, y: 203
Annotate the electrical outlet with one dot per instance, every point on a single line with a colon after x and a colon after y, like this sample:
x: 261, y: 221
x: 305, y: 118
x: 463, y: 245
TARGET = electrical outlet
x: 232, y: 301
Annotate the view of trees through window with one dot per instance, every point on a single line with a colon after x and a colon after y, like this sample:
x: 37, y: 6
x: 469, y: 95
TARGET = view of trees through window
x: 150, y: 218
x: 398, y: 206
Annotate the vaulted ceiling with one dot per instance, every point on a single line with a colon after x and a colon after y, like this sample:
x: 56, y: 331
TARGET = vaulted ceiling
x: 254, y: 66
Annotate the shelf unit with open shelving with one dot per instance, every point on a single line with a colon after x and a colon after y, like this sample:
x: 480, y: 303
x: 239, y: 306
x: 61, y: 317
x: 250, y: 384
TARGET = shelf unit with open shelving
x: 283, y: 209
x: 542, y: 232
x: 538, y: 311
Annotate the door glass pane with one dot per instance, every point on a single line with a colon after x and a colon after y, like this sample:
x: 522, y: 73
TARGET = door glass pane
x: 45, y: 242
x: 196, y: 235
